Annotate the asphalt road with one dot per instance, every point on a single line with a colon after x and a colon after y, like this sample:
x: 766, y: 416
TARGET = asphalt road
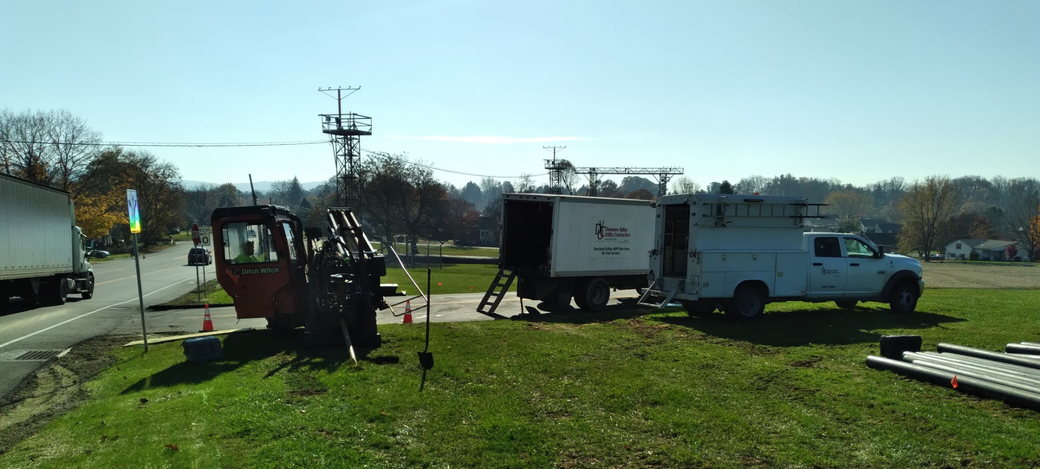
x: 114, y: 308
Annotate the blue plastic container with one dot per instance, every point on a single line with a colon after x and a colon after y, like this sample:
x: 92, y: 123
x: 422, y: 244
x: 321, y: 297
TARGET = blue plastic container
x: 201, y: 349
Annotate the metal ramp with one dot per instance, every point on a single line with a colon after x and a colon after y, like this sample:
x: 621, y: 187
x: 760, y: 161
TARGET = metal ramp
x: 499, y: 286
x: 668, y: 299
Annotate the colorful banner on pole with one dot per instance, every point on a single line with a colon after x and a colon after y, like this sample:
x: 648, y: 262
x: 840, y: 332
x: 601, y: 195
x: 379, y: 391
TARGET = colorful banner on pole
x: 135, y: 214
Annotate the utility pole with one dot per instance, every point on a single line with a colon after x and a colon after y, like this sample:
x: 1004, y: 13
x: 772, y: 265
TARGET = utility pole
x: 345, y: 131
x: 555, y: 171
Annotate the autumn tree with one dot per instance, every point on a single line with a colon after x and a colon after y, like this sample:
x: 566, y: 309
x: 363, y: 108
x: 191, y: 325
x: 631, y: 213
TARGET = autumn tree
x: 401, y: 197
x: 927, y: 208
x: 157, y: 183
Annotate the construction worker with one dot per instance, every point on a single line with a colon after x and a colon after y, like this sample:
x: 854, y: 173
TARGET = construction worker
x: 247, y: 254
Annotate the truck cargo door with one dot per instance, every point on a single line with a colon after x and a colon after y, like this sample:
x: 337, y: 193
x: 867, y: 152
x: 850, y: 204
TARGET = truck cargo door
x: 676, y: 238
x: 828, y: 270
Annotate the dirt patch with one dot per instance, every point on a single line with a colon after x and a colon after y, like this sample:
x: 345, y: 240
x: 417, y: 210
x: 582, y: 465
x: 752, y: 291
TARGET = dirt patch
x: 1025, y: 276
x: 54, y: 389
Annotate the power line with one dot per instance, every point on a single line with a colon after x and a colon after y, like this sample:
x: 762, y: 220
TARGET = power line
x: 257, y: 144
x: 161, y: 144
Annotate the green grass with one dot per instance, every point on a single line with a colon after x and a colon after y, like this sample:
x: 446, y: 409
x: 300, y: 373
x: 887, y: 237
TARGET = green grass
x: 435, y: 249
x: 211, y: 293
x: 578, y: 390
x: 452, y: 278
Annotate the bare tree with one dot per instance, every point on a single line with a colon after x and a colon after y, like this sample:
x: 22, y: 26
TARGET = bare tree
x: 751, y: 185
x: 26, y: 146
x: 848, y: 204
x: 525, y: 183
x: 1022, y: 217
x: 199, y: 203
x: 927, y: 208
x: 52, y: 148
x: 684, y: 185
x: 72, y: 146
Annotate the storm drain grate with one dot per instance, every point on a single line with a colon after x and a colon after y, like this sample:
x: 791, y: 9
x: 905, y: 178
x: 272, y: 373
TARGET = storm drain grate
x: 38, y: 355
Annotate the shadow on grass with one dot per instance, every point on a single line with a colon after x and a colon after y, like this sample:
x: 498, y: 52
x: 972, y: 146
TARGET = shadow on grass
x: 776, y: 328
x: 239, y: 349
x: 805, y: 327
x: 567, y: 314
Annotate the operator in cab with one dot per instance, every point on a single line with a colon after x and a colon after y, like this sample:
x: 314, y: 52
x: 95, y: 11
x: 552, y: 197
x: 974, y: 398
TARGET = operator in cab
x: 247, y: 255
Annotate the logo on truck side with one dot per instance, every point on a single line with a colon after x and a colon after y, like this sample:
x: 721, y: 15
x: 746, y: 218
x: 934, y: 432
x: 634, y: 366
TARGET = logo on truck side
x: 604, y: 231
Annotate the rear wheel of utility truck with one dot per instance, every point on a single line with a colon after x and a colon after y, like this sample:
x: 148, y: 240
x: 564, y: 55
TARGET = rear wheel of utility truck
x: 748, y: 303
x: 592, y: 295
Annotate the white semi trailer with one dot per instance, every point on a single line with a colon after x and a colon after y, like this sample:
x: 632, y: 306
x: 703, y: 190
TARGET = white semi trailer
x: 41, y: 249
x: 561, y: 247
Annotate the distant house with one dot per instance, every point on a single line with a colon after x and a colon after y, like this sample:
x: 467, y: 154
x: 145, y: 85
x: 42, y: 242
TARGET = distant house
x: 987, y: 250
x: 487, y: 228
x: 887, y: 241
x: 880, y: 225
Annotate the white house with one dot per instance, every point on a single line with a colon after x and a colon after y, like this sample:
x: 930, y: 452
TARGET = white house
x: 987, y: 249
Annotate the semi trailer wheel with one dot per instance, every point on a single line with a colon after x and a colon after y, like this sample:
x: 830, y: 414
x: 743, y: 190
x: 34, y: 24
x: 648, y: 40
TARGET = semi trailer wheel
x: 748, y: 303
x: 593, y: 295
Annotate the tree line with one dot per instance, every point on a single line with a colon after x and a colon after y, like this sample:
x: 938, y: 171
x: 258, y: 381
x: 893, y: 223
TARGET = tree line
x: 399, y: 197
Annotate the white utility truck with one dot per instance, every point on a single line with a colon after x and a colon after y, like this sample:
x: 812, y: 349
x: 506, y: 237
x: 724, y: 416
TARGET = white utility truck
x: 561, y: 246
x: 739, y: 252
x: 41, y: 249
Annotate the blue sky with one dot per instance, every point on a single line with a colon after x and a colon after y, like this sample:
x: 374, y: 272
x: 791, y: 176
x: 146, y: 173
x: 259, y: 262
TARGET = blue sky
x: 857, y: 91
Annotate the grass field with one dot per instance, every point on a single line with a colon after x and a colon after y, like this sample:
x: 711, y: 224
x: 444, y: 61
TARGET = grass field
x: 580, y: 390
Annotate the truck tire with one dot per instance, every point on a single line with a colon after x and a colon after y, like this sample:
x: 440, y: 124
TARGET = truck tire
x: 89, y: 292
x: 748, y: 303
x: 846, y: 304
x: 699, y: 307
x: 55, y: 293
x: 592, y: 295
x: 904, y: 298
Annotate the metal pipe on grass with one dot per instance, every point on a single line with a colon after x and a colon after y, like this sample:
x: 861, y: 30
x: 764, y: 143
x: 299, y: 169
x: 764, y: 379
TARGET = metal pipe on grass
x: 966, y: 384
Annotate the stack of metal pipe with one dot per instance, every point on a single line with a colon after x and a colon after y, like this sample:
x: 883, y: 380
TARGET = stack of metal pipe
x: 1013, y: 377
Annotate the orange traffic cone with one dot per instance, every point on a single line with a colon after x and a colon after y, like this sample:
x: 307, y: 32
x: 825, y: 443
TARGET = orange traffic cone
x: 407, y: 312
x: 207, y: 322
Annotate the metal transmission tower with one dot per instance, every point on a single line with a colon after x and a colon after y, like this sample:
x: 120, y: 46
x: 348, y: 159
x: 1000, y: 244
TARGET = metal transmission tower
x: 663, y: 175
x: 345, y: 131
x: 556, y: 171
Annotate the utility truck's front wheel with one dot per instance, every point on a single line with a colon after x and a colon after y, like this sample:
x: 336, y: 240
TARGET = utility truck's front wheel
x: 748, y: 303
x: 904, y: 299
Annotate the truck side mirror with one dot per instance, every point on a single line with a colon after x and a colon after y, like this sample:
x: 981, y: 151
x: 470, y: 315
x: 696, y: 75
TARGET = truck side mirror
x: 880, y: 252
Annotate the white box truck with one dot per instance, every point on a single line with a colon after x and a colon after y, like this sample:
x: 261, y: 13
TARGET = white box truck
x: 41, y: 249
x: 739, y: 252
x: 559, y: 247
